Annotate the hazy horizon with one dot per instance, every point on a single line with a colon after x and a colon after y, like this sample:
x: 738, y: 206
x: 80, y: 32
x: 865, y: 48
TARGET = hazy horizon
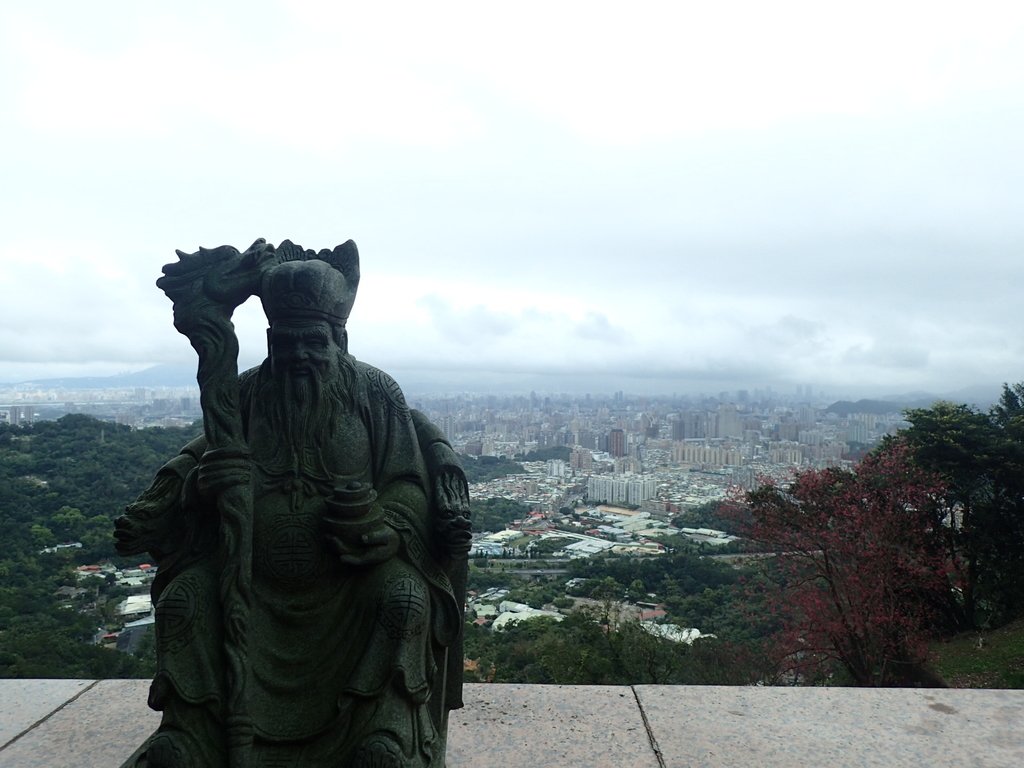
x: 437, y: 383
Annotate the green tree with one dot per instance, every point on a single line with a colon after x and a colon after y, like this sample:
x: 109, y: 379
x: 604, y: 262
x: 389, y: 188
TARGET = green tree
x: 68, y: 523
x: 1002, y: 543
x: 637, y: 591
x: 496, y: 513
x: 41, y: 535
x: 980, y: 457
x: 482, y: 468
x: 545, y: 454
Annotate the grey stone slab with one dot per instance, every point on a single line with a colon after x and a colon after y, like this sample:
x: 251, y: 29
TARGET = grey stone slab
x: 25, y: 702
x: 101, y: 727
x: 548, y: 725
x: 718, y: 726
x: 566, y: 726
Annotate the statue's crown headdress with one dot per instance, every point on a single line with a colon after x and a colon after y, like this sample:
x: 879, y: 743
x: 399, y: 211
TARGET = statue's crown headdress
x: 306, y: 284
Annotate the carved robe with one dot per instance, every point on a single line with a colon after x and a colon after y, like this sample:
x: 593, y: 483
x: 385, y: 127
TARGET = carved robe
x: 338, y: 654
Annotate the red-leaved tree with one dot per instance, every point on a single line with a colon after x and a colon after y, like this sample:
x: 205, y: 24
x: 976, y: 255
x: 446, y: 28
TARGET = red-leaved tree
x: 859, y: 565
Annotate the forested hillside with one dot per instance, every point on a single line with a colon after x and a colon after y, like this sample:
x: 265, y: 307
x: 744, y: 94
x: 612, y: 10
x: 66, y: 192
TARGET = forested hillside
x: 65, y: 481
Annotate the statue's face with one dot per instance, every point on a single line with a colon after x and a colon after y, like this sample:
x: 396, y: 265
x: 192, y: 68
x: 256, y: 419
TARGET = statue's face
x: 303, y: 349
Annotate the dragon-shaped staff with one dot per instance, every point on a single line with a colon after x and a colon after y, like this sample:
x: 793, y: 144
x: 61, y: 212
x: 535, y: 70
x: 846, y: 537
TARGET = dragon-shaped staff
x: 206, y: 287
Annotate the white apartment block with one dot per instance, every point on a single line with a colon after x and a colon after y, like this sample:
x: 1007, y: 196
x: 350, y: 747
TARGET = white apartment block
x: 621, y: 490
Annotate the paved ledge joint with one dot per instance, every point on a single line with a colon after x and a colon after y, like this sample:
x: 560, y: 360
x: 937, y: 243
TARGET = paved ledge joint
x: 48, y: 715
x: 650, y: 731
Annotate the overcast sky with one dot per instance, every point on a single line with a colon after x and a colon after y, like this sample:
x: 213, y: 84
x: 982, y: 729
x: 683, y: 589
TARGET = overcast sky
x: 692, y: 196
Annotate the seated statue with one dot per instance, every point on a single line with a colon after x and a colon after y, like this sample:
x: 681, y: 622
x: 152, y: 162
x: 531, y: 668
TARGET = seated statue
x: 311, y: 545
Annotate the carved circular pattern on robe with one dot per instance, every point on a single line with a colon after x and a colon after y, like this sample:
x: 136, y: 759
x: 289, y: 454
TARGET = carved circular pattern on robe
x: 292, y: 551
x: 402, y: 610
x: 389, y: 388
x: 179, y: 605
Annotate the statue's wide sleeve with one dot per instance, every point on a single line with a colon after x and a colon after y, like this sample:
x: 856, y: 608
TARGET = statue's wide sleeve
x: 400, y: 476
x: 403, y: 487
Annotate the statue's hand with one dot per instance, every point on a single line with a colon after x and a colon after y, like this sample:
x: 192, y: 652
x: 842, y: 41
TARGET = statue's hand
x: 368, y: 548
x: 452, y: 525
x: 454, y: 534
x: 221, y: 469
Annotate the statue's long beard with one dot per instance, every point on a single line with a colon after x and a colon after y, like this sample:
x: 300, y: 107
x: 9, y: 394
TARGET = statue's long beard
x: 304, y: 407
x: 303, y: 413
x: 302, y: 390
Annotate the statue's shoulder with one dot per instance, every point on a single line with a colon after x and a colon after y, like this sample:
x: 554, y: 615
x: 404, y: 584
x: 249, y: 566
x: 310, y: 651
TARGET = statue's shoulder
x: 381, y: 388
x: 247, y: 379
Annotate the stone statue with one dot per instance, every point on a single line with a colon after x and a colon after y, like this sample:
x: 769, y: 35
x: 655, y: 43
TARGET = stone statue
x: 311, y: 544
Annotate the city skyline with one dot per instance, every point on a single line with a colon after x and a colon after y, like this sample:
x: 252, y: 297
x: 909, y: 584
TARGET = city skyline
x: 435, y: 384
x: 677, y: 198
x: 151, y: 399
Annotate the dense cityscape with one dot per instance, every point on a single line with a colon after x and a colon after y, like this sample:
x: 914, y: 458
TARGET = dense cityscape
x: 658, y: 454
x: 600, y: 475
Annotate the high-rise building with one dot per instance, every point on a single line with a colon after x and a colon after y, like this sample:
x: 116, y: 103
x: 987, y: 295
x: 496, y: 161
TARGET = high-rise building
x: 556, y: 468
x: 448, y: 427
x: 729, y: 422
x: 617, y: 443
x: 678, y: 428
x: 693, y: 425
x: 581, y: 459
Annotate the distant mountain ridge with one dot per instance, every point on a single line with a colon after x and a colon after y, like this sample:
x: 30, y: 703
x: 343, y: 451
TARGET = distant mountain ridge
x: 844, y: 408
x: 164, y: 375
x: 980, y: 397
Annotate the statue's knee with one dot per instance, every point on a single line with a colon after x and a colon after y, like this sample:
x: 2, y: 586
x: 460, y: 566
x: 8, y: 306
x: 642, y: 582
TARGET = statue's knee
x: 403, y: 606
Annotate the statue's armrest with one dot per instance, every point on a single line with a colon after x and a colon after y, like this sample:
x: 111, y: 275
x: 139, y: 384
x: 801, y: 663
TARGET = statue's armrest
x: 449, y: 489
x: 152, y: 523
